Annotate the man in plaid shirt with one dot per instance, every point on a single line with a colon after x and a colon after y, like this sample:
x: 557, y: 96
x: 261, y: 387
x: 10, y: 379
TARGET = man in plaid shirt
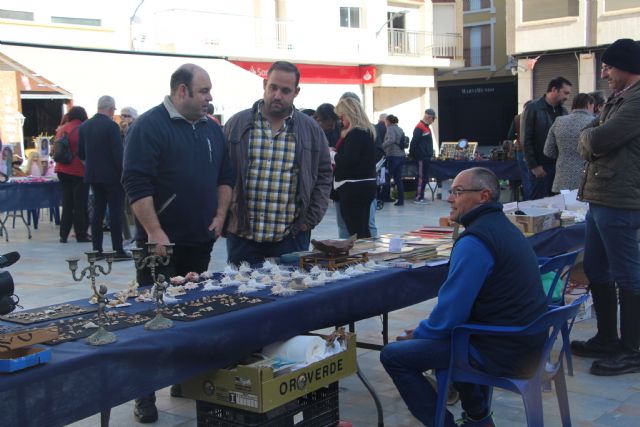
x: 283, y: 173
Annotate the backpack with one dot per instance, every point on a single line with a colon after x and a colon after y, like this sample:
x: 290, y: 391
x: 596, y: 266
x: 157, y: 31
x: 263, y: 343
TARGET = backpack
x: 62, y: 150
x: 404, y: 142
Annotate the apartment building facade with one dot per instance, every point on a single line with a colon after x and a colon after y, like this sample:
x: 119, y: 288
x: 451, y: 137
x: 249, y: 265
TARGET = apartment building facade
x: 550, y: 38
x: 385, y: 51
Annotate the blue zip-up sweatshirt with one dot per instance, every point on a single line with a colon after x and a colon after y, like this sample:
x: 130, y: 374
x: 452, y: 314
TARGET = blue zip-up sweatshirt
x: 166, y: 155
x: 493, y: 279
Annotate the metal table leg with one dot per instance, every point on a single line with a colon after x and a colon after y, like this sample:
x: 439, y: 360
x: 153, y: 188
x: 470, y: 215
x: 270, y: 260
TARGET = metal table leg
x: 104, y: 417
x: 385, y: 328
x: 373, y: 393
x: 3, y: 228
x: 24, y: 221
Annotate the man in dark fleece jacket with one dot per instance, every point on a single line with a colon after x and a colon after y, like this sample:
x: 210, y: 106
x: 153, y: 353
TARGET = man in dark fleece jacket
x: 179, y: 179
x: 493, y: 279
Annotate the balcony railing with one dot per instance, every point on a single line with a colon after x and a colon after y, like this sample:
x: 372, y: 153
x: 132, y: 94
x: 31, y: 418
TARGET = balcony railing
x: 422, y: 43
x: 265, y: 37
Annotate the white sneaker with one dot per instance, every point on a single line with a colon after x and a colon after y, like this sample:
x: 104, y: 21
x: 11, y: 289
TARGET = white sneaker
x: 421, y: 202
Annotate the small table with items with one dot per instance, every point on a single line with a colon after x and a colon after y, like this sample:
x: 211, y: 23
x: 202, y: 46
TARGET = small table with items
x: 442, y: 170
x: 25, y: 195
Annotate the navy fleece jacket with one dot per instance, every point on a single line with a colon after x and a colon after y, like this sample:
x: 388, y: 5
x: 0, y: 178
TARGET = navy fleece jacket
x: 166, y: 155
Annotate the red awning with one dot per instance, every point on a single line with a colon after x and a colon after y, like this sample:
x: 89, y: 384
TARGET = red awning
x: 314, y: 73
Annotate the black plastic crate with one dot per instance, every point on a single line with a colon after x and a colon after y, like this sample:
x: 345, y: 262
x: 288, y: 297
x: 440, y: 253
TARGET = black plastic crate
x: 319, y: 408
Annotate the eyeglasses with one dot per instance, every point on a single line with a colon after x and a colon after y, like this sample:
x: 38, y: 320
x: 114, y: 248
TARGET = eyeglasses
x: 125, y: 116
x: 457, y: 192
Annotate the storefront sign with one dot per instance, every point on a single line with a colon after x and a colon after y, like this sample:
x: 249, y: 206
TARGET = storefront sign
x: 477, y: 90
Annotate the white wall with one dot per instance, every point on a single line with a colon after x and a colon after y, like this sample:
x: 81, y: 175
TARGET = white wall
x: 616, y: 25
x: 312, y: 95
x: 113, y: 32
x: 557, y: 33
x: 137, y: 80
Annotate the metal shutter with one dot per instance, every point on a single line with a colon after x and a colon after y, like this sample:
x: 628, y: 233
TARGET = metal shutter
x: 548, y: 67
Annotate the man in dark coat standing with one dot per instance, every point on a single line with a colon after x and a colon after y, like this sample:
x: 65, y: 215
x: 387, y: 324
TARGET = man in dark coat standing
x: 100, y: 147
x: 611, y: 147
x: 537, y: 118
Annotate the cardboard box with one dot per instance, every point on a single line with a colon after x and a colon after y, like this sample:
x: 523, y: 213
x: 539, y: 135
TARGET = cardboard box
x: 23, y: 358
x: 14, y: 340
x: 535, y: 220
x: 585, y: 311
x: 257, y: 389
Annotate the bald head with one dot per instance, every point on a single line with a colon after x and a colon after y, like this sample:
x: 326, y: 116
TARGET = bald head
x: 191, y: 91
x: 184, y: 76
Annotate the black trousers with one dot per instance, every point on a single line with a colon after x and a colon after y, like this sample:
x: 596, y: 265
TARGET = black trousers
x: 185, y: 258
x: 75, y: 194
x: 355, y: 205
x: 113, y: 196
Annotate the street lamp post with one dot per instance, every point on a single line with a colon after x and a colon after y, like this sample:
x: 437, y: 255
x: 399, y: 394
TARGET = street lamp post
x: 131, y: 21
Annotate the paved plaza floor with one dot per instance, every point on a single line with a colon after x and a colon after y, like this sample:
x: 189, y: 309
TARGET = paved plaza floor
x: 42, y: 277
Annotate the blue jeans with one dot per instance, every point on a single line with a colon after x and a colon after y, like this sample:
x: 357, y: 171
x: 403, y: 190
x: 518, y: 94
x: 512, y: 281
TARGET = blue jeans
x: 405, y: 361
x: 525, y: 175
x: 372, y: 219
x: 395, y: 170
x: 240, y: 249
x: 343, y: 233
x: 611, y: 247
x: 541, y: 187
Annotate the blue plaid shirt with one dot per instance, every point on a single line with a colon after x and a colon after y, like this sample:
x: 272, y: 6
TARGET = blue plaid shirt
x: 272, y: 180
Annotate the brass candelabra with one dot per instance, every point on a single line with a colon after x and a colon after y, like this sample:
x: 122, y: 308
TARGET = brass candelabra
x: 152, y: 261
x: 101, y: 336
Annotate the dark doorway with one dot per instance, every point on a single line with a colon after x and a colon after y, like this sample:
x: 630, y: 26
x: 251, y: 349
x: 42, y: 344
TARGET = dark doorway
x: 42, y: 117
x: 396, y: 20
x: 477, y: 112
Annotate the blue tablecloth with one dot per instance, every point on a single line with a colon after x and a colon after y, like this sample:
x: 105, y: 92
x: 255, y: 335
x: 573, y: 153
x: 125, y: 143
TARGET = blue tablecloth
x: 82, y: 380
x: 558, y: 240
x: 26, y: 196
x: 442, y: 170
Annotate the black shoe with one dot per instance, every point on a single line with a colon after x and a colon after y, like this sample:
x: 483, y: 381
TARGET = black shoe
x: 63, y: 240
x: 594, y: 347
x: 83, y: 240
x: 145, y: 410
x: 122, y: 256
x: 176, y: 390
x: 398, y: 204
x: 467, y: 421
x: 625, y: 362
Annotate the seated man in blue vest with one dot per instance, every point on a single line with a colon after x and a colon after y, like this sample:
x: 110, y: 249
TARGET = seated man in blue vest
x: 494, y: 280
